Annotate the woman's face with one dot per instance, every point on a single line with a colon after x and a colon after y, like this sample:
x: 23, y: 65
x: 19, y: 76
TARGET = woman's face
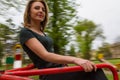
x: 37, y: 12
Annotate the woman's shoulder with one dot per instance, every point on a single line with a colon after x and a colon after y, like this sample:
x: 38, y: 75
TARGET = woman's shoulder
x: 24, y: 29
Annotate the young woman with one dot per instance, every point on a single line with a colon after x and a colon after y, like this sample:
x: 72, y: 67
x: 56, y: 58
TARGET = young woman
x: 39, y: 47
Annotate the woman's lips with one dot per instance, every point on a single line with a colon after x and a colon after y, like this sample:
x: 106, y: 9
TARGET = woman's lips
x: 40, y: 15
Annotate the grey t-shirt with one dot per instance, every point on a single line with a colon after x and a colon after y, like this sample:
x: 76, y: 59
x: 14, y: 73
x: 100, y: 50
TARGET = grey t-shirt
x: 46, y: 41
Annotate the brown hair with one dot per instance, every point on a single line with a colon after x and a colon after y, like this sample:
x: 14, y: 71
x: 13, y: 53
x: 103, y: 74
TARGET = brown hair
x: 27, y: 19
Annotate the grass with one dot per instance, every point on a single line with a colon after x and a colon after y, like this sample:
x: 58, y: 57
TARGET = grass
x: 34, y: 77
x: 109, y: 76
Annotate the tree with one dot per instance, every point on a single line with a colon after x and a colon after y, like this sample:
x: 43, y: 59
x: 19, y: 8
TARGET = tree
x: 72, y: 51
x: 1, y: 54
x: 7, y: 5
x: 86, y: 32
x: 5, y: 31
x: 10, y: 9
x: 62, y: 12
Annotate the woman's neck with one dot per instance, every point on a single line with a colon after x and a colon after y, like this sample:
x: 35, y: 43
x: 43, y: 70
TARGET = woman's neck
x: 35, y: 26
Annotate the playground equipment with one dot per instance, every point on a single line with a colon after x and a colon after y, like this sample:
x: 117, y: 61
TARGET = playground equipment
x: 118, y: 66
x: 105, y: 61
x: 25, y: 72
x: 17, y: 56
x: 9, y: 62
x: 101, y: 59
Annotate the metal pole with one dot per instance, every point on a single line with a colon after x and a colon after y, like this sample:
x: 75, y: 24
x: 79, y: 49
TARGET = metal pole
x: 61, y: 70
x: 13, y: 77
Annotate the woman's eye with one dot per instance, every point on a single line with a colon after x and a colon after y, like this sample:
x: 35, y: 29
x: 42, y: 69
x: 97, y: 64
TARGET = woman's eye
x: 37, y: 7
x: 43, y: 9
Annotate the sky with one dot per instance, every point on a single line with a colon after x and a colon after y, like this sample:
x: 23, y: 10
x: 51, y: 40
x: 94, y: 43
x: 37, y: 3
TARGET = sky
x: 103, y: 12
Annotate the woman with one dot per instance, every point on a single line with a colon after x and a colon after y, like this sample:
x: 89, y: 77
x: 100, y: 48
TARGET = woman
x: 39, y: 47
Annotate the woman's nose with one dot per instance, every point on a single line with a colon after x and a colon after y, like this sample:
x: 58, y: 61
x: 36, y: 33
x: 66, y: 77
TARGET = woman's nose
x: 40, y: 10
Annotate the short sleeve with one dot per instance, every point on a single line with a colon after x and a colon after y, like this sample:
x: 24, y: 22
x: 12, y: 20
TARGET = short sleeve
x: 25, y: 35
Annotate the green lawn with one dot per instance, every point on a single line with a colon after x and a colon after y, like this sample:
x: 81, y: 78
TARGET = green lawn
x: 113, y: 61
x: 109, y: 76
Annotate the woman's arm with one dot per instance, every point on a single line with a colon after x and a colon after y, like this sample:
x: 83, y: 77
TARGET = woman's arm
x: 39, y: 50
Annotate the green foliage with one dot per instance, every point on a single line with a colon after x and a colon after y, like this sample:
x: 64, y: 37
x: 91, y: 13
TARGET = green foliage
x: 1, y: 54
x: 72, y: 51
x: 5, y: 31
x: 62, y: 12
x: 86, y: 32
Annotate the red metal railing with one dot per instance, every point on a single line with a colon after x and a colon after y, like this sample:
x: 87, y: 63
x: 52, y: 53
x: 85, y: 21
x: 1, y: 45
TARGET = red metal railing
x: 28, y: 67
x: 29, y: 71
x: 13, y: 77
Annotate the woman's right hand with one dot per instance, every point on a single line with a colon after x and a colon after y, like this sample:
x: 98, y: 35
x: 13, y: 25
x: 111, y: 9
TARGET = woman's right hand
x: 87, y: 65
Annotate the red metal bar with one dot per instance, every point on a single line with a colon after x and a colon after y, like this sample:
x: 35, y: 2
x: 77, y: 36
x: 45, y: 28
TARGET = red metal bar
x: 60, y: 70
x: 30, y: 66
x: 13, y: 77
x: 113, y: 70
x: 2, y: 71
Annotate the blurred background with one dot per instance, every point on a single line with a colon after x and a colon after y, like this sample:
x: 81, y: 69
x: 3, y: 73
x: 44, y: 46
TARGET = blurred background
x: 85, y: 28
